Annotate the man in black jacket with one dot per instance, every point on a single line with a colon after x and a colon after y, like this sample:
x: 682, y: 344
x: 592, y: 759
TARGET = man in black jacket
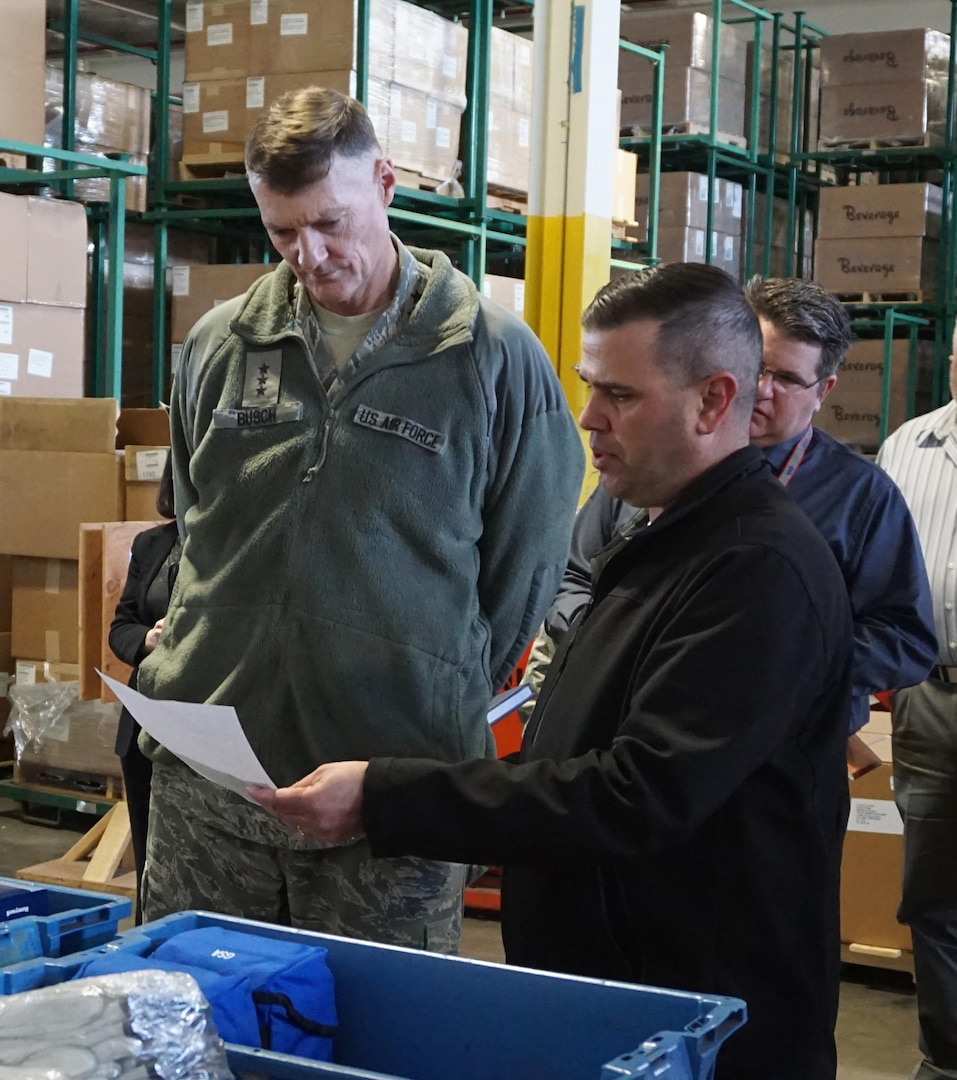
x: 676, y: 814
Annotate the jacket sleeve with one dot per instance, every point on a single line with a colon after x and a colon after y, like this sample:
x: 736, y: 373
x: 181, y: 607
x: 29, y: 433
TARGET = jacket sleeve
x: 535, y: 476
x: 895, y: 641
x: 127, y: 631
x: 703, y: 715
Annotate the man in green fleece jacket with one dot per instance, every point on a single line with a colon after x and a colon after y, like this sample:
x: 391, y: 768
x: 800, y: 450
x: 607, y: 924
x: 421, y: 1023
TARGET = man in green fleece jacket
x: 376, y: 473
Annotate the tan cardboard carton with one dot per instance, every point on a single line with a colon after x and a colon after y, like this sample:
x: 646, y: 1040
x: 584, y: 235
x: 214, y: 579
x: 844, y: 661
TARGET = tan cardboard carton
x: 682, y: 201
x: 6, y: 592
x: 217, y: 39
x: 879, y: 210
x: 82, y: 426
x: 877, y: 265
x: 882, y: 112
x: 507, y: 291
x: 872, y: 860
x: 686, y: 100
x: 46, y: 609
x: 688, y: 245
x: 624, y: 186
x: 689, y: 38
x: 198, y: 289
x: 15, y: 230
x: 42, y: 351
x: 56, y: 259
x: 22, y: 56
x: 143, y: 468
x: 81, y: 741
x: 510, y: 73
x: 142, y: 427
x: 509, y: 148
x: 430, y: 52
x: 884, y: 56
x: 141, y: 502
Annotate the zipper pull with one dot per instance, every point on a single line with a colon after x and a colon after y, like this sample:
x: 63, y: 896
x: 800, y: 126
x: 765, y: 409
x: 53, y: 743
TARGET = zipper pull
x: 323, y: 448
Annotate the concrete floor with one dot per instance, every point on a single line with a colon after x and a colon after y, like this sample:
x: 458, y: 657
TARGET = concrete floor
x: 876, y: 1029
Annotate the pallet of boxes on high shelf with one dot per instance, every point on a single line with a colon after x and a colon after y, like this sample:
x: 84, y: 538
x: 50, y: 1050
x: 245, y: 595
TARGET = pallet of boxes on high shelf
x: 240, y: 56
x: 22, y: 56
x: 775, y: 262
x: 689, y: 78
x: 112, y: 118
x: 683, y: 219
x: 783, y: 114
x: 886, y: 88
x: 879, y: 241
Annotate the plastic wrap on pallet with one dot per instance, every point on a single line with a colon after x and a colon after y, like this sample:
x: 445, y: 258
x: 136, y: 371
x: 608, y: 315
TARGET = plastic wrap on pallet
x: 108, y: 113
x: 887, y: 112
x: 784, y: 100
x: 146, y: 1024
x: 418, y: 132
x: 884, y: 56
x: 430, y: 53
x: 53, y: 729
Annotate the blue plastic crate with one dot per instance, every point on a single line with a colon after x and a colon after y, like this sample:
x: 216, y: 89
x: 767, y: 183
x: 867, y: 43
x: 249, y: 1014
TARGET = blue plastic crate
x: 411, y: 1015
x: 77, y: 919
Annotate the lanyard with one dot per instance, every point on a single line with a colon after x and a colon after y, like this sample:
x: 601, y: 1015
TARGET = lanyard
x: 794, y: 459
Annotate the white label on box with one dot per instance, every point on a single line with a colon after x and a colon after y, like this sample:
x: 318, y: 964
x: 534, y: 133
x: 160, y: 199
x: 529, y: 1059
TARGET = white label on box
x: 524, y: 53
x: 150, y: 464
x: 9, y: 365
x: 181, y: 281
x: 256, y: 92
x: 523, y: 130
x: 6, y: 324
x: 702, y: 189
x: 40, y: 363
x: 699, y: 243
x: 395, y: 99
x: 450, y: 66
x: 258, y: 12
x: 294, y: 25
x: 738, y: 191
x: 6, y: 389
x: 194, y: 18
x: 431, y: 113
x: 875, y: 816
x: 215, y: 121
x: 26, y: 673
x: 443, y: 137
x: 175, y: 352
x: 519, y: 303
x: 220, y: 34
x: 408, y: 131
x: 729, y: 249
x: 190, y: 97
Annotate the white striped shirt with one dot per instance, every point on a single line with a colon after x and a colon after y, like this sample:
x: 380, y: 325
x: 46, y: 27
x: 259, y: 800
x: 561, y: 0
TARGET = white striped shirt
x: 921, y: 458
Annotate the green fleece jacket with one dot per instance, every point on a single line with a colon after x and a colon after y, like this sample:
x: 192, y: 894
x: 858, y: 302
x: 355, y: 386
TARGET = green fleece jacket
x: 362, y: 570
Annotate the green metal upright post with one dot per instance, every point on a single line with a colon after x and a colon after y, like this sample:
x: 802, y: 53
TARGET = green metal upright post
x: 71, y: 32
x: 113, y: 359
x: 474, y: 139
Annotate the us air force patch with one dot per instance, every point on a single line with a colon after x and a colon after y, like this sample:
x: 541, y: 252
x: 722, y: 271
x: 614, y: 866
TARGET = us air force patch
x: 367, y: 417
x: 263, y: 374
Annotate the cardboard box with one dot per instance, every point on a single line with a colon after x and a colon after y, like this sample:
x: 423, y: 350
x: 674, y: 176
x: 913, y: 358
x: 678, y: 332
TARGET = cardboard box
x: 507, y: 291
x: 879, y: 210
x: 682, y: 201
x: 873, y: 854
x: 509, y: 149
x: 686, y: 101
x: 688, y: 36
x: 217, y: 39
x: 108, y: 114
x: 57, y: 257
x: 141, y: 502
x: 46, y: 609
x: 430, y: 52
x: 42, y: 350
x: 198, y: 289
x: 81, y: 426
x: 81, y: 741
x: 22, y: 57
x: 31, y: 672
x: 852, y: 410
x: 784, y: 102
x: 142, y: 427
x: 624, y: 186
x: 15, y: 230
x: 511, y: 70
x: 884, y: 112
x: 6, y: 592
x: 688, y: 245
x: 877, y: 265
x: 884, y: 56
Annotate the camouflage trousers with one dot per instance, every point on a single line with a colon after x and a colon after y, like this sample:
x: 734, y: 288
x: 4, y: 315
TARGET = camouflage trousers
x: 209, y: 848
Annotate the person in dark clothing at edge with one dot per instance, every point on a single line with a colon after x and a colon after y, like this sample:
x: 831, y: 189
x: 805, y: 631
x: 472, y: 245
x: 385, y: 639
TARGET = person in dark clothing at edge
x: 134, y: 632
x: 676, y: 813
x: 858, y: 509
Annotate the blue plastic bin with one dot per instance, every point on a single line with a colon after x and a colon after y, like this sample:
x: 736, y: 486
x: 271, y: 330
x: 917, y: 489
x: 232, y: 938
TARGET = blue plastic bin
x: 410, y: 1015
x: 77, y: 919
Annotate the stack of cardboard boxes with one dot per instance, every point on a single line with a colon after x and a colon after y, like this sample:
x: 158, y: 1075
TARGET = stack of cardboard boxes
x: 112, y: 118
x: 22, y: 56
x: 683, y: 219
x: 801, y: 265
x: 510, y: 112
x: 42, y: 297
x: 784, y: 101
x: 242, y: 54
x: 688, y: 73
x: 885, y: 87
x: 879, y: 239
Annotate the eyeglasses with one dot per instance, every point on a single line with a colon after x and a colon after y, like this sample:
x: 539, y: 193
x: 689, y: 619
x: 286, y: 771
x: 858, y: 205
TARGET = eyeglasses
x: 785, y: 381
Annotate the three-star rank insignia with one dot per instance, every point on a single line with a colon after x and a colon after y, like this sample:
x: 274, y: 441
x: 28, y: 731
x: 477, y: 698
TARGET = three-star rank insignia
x: 263, y: 375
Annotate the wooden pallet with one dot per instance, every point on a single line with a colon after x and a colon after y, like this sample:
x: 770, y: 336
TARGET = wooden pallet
x: 508, y: 202
x: 409, y: 178
x: 918, y: 142
x: 72, y: 785
x: 211, y: 166
x: 642, y: 131
x: 12, y: 161
x: 914, y: 297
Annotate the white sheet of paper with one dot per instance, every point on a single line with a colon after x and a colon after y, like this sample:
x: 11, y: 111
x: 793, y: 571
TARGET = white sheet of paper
x: 208, y: 738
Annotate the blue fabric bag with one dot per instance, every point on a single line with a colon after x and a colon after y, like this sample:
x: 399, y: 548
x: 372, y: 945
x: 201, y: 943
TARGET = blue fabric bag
x: 230, y: 997
x: 292, y: 986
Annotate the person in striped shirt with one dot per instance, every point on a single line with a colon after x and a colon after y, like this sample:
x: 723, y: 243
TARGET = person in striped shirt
x: 921, y: 457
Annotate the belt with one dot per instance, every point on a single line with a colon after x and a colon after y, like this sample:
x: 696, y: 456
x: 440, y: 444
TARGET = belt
x: 944, y: 674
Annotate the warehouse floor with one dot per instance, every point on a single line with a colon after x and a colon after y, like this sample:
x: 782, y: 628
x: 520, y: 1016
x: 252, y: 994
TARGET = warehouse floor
x: 877, y: 1026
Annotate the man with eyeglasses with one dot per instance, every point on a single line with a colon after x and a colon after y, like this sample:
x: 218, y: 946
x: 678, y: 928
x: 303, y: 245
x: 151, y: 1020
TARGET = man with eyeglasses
x: 856, y: 507
x: 921, y: 456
